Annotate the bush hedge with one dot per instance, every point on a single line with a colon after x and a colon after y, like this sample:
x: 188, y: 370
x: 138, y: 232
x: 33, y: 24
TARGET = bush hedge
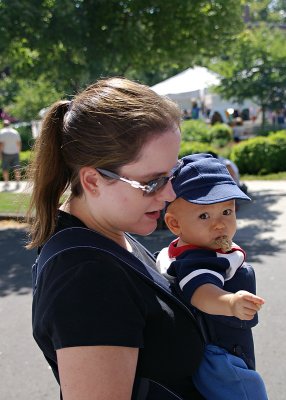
x: 220, y: 135
x: 195, y: 130
x: 25, y: 132
x: 261, y: 155
x: 188, y: 148
x: 199, y: 131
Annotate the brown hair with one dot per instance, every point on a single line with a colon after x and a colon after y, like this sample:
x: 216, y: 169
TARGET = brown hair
x: 104, y: 126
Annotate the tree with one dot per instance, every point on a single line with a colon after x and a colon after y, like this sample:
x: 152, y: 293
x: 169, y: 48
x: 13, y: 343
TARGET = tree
x: 76, y: 41
x: 70, y: 43
x: 255, y: 69
x: 272, y: 12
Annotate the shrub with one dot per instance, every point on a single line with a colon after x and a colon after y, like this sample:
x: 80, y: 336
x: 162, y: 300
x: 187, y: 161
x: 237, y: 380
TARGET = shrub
x: 195, y: 130
x: 220, y: 134
x: 261, y: 155
x: 25, y: 157
x: 279, y: 136
x: 188, y: 148
x: 25, y: 132
x: 266, y: 130
x: 24, y: 161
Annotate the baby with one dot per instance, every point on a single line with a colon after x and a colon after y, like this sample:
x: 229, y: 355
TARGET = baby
x: 209, y: 269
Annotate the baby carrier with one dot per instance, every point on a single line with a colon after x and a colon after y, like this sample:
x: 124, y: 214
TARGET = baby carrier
x: 78, y: 237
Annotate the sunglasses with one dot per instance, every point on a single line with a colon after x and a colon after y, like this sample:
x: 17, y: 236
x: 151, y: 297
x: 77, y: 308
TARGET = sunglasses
x: 150, y: 187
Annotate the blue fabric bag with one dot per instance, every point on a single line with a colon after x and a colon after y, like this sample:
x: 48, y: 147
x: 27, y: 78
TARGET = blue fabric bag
x: 223, y: 376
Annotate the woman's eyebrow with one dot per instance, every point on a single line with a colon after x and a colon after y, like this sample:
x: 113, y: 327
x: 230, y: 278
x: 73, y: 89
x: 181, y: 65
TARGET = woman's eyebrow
x: 154, y: 175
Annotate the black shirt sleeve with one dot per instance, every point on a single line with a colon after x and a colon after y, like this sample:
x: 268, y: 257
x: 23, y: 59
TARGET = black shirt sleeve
x: 92, y: 301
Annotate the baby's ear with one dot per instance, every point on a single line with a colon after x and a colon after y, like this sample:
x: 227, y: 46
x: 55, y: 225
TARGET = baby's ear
x: 172, y: 223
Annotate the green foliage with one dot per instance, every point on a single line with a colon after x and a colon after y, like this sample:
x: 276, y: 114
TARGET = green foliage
x: 220, y: 135
x: 278, y: 136
x: 267, y: 10
x: 255, y: 68
x: 31, y: 97
x: 261, y: 155
x: 196, y: 130
x: 26, y: 136
x: 14, y: 203
x: 25, y: 157
x: 73, y: 42
x: 188, y: 148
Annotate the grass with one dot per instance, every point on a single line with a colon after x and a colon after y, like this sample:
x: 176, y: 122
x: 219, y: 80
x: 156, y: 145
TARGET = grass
x: 16, y: 203
x: 13, y: 203
x: 270, y: 177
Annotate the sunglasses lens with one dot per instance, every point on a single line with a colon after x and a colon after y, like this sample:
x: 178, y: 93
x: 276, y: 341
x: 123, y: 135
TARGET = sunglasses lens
x: 157, y: 184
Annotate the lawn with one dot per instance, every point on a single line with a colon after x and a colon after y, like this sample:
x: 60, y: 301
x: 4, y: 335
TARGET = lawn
x: 13, y: 203
x: 270, y: 177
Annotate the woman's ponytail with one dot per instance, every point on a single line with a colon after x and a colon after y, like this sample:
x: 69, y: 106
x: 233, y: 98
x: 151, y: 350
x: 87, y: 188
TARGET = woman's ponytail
x: 49, y: 174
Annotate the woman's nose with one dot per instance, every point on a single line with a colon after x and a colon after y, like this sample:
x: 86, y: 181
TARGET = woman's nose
x: 166, y: 193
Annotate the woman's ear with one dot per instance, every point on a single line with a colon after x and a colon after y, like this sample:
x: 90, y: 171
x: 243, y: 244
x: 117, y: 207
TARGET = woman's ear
x: 172, y: 223
x: 89, y: 179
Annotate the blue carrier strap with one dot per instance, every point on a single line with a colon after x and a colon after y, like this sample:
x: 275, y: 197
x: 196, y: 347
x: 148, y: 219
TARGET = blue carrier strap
x: 75, y: 237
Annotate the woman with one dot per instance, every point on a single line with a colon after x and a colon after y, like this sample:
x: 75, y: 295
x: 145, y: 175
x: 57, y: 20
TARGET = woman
x: 105, y: 329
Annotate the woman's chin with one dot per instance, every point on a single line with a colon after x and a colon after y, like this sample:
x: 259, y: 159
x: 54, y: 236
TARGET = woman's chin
x: 146, y: 230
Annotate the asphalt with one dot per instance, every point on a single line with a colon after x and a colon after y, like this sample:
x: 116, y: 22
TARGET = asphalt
x: 261, y: 232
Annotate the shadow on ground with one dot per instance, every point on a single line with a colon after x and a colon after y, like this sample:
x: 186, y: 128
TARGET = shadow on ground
x: 259, y: 237
x: 16, y: 261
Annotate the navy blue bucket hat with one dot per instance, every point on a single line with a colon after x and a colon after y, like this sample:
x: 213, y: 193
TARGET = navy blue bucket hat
x: 203, y: 179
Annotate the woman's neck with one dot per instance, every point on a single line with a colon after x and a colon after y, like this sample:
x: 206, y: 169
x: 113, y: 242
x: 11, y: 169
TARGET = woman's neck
x: 75, y: 206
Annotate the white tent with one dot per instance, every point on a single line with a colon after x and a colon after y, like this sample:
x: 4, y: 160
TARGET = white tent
x: 191, y: 80
x: 195, y: 84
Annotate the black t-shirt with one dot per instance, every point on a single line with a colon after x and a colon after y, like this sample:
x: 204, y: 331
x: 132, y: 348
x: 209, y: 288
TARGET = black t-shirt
x: 89, y: 298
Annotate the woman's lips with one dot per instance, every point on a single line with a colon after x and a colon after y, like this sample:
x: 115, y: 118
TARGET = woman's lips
x: 153, y: 214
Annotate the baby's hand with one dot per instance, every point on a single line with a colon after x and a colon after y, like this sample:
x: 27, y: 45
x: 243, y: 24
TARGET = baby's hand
x: 244, y: 305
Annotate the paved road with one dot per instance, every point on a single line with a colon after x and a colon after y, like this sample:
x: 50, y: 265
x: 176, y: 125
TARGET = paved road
x: 261, y: 231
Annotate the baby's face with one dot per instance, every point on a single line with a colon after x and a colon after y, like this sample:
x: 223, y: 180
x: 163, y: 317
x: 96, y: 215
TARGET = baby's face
x: 204, y: 225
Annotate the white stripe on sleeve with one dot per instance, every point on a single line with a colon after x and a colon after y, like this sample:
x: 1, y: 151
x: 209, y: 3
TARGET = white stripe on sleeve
x: 198, y: 272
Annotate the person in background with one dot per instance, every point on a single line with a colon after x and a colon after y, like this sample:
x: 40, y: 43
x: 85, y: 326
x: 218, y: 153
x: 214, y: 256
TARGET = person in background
x: 195, y: 113
x: 10, y: 147
x: 105, y: 330
x: 216, y: 118
x: 210, y: 270
x: 232, y: 169
x: 185, y: 115
x: 237, y: 129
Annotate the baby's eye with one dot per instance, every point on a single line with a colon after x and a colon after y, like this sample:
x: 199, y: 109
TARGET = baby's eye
x: 204, y: 216
x: 227, y: 212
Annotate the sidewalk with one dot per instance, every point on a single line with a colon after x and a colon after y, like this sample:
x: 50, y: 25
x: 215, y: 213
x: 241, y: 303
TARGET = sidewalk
x: 13, y: 187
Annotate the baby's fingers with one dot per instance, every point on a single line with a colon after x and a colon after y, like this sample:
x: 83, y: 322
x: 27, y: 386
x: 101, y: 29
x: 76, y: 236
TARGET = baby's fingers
x: 254, y: 299
x: 248, y: 314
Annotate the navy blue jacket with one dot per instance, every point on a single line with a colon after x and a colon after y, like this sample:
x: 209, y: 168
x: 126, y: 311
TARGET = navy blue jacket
x: 195, y: 267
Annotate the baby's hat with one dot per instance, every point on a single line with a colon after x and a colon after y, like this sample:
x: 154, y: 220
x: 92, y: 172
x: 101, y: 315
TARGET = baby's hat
x: 203, y: 179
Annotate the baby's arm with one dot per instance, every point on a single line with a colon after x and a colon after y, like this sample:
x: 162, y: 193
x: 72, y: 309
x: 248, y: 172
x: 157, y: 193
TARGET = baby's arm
x: 214, y: 300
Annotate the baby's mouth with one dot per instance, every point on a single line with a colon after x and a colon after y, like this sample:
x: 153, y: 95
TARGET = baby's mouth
x: 224, y: 243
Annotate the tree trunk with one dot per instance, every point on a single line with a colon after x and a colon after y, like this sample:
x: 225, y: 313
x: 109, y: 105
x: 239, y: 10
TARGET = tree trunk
x: 263, y: 111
